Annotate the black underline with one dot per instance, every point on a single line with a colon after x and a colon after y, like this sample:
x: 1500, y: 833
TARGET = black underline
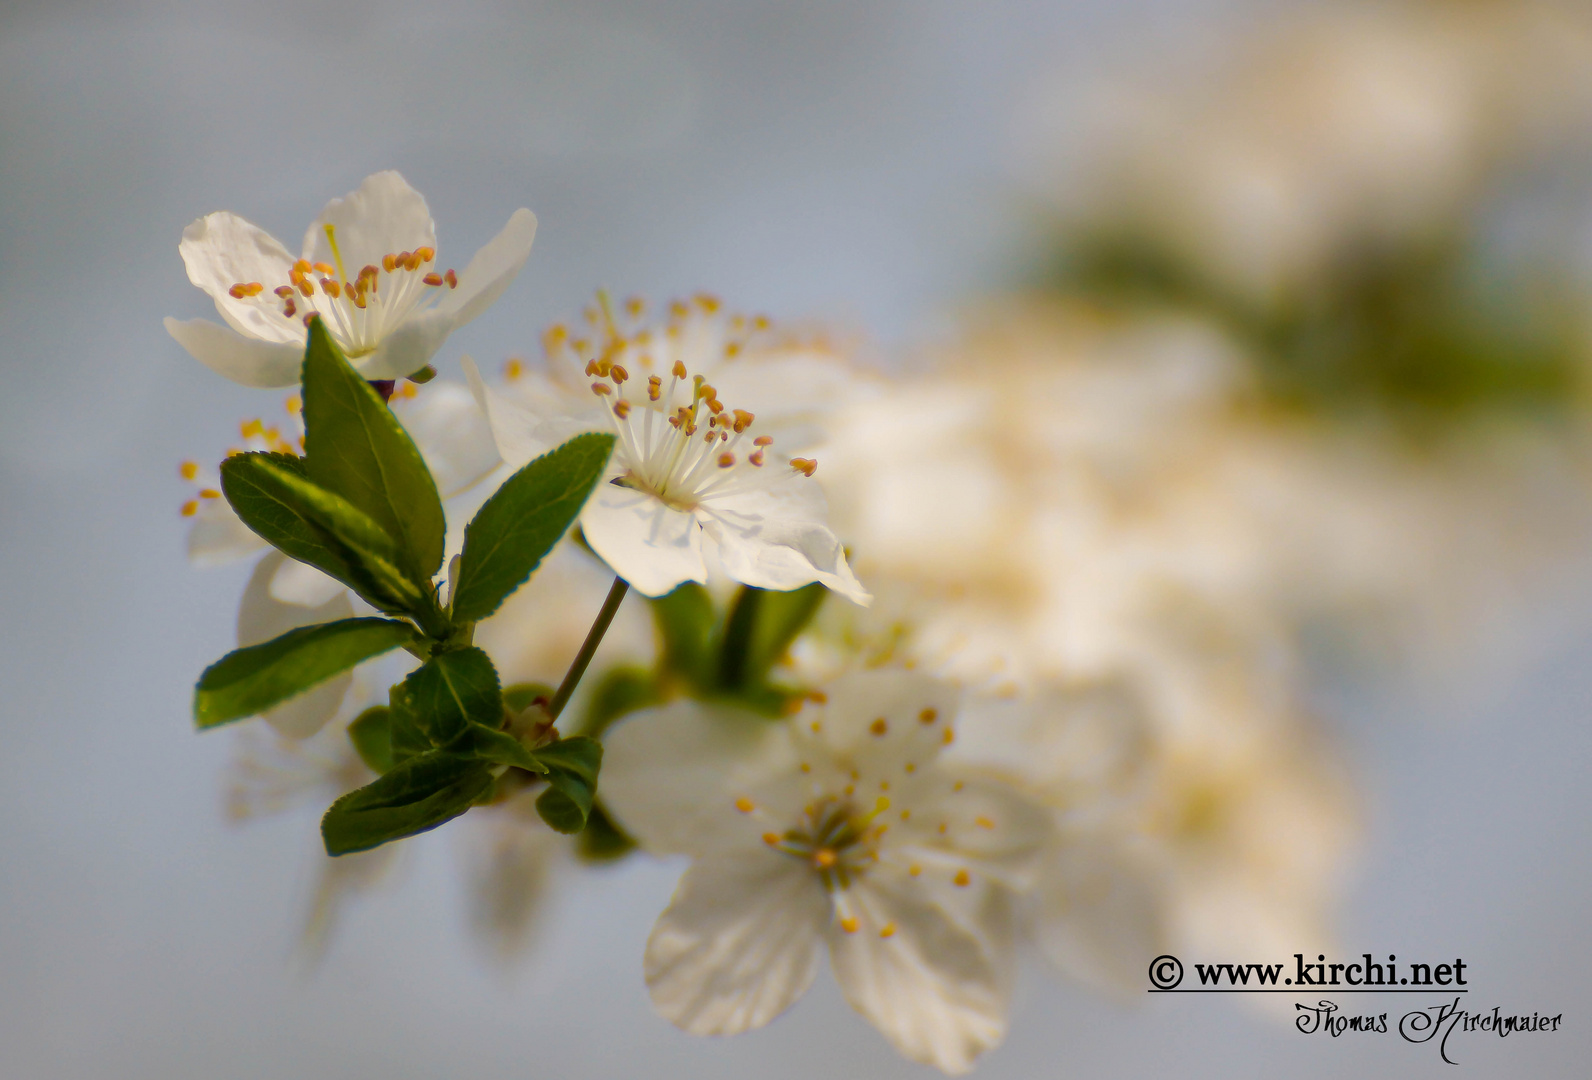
x: 1306, y: 990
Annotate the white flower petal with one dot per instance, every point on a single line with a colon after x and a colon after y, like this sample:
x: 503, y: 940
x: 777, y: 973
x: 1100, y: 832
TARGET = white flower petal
x: 652, y: 546
x: 383, y: 216
x: 673, y: 775
x: 938, y: 992
x: 453, y: 436
x: 917, y: 710
x: 261, y: 618
x: 777, y: 539
x: 219, y: 536
x: 222, y: 250
x: 265, y: 365
x: 491, y: 270
x: 304, y: 586
x: 738, y: 944
x: 520, y: 433
x: 409, y: 347
x: 1096, y: 916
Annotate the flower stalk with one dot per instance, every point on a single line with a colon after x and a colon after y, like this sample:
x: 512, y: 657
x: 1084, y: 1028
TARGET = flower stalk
x: 588, y: 648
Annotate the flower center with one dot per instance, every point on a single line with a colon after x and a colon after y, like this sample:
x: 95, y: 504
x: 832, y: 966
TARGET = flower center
x: 833, y: 839
x: 361, y: 311
x: 677, y: 442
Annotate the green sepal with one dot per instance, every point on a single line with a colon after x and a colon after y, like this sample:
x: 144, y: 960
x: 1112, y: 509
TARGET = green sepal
x: 620, y: 691
x: 306, y: 522
x: 417, y: 795
x: 780, y: 617
x: 521, y: 696
x: 685, y: 622
x: 572, y: 766
x: 371, y: 734
x: 246, y: 682
x: 452, y: 691
x: 602, y: 841
x: 356, y: 448
x: 522, y: 521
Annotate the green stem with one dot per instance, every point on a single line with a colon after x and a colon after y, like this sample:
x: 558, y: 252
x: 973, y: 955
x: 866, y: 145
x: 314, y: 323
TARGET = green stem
x: 588, y: 648
x: 738, y: 638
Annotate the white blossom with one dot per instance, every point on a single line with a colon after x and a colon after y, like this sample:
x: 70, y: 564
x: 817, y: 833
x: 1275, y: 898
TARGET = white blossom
x: 692, y: 481
x: 368, y: 268
x: 840, y: 826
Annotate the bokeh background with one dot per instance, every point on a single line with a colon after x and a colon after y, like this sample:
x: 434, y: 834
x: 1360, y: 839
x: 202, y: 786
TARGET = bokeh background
x: 882, y: 165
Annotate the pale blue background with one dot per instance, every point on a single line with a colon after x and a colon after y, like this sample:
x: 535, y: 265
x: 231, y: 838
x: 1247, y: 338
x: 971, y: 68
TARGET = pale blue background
x: 842, y: 159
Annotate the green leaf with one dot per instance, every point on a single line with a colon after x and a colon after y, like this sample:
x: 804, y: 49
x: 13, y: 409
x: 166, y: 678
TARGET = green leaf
x: 371, y: 734
x: 522, y: 521
x: 572, y: 766
x: 406, y: 737
x: 356, y: 448
x: 417, y: 795
x: 451, y: 691
x: 316, y: 526
x: 685, y: 622
x: 248, y: 681
x: 498, y: 747
x: 602, y: 840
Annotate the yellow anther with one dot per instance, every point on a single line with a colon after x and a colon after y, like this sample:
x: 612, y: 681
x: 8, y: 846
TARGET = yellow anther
x: 592, y: 368
x: 911, y: 768
x: 760, y: 323
x: 928, y: 716
x: 887, y: 930
x: 818, y: 697
x: 763, y: 440
x: 654, y: 385
x: 389, y: 263
x: 824, y: 858
x: 324, y: 268
x: 678, y: 371
x: 850, y: 924
x: 943, y: 827
x: 513, y: 368
x: 618, y: 374
x: 732, y: 350
x: 236, y: 292
x: 962, y: 878
x: 284, y: 291
x: 425, y: 254
x: 884, y: 785
x: 189, y: 470
x: 806, y: 768
x: 432, y: 279
x: 805, y: 466
x: 601, y: 388
x: 983, y: 822
x: 726, y: 460
x: 707, y: 303
x: 306, y: 286
x: 679, y: 310
x: 452, y: 279
x: 950, y: 737
x: 557, y: 334
x: 622, y: 408
x: 209, y: 493
x: 906, y: 815
x: 190, y: 508
x: 958, y: 786
x: 250, y: 428
x: 635, y: 306
x: 817, y: 727
x: 715, y: 406
x: 879, y: 727
x: 914, y: 870
x: 756, y: 458
x: 745, y: 805
x: 743, y: 420
x: 302, y: 267
x: 882, y: 805
x: 771, y: 838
